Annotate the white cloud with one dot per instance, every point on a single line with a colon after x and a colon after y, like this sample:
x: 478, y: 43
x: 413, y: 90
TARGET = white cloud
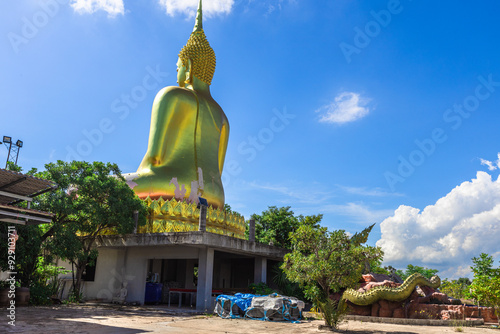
x: 373, y: 192
x: 347, y: 107
x: 188, y: 7
x: 449, y: 233
x: 112, y: 7
x: 491, y: 165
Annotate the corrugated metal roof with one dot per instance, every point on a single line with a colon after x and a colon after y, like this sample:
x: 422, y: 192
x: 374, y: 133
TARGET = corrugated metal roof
x: 22, y: 185
x: 17, y: 187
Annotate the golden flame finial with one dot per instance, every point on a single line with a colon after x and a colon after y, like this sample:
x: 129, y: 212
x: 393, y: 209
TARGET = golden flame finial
x: 199, y: 51
x: 198, y: 25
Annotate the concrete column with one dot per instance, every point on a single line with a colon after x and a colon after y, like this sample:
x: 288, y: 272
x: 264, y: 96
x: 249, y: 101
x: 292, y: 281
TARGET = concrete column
x: 137, y: 285
x: 136, y: 220
x: 251, y: 231
x: 205, y: 277
x: 203, y: 218
x: 260, y: 270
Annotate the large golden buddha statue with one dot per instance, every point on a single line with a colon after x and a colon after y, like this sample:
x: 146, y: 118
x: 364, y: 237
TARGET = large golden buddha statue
x: 189, y: 132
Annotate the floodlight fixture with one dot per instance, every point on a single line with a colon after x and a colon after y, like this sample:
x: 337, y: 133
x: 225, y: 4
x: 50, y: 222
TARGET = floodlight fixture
x: 13, y: 153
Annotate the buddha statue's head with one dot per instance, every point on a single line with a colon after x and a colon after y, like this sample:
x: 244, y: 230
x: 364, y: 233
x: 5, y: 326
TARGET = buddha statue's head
x: 197, y: 58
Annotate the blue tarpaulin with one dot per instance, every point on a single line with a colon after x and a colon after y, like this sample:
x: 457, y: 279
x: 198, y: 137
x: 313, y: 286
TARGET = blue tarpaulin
x: 227, y: 304
x: 271, y: 307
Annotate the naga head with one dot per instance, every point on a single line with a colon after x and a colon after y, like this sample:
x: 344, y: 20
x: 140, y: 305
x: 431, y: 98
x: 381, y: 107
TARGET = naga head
x: 436, y: 281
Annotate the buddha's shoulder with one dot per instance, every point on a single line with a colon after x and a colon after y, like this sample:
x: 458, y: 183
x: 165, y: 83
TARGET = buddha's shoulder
x: 175, y: 92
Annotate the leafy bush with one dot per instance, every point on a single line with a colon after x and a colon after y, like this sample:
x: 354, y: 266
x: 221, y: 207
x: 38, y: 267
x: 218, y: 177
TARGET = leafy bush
x: 324, y: 262
x: 46, y: 283
x: 333, y: 311
x: 260, y: 289
x: 286, y: 287
x: 40, y: 294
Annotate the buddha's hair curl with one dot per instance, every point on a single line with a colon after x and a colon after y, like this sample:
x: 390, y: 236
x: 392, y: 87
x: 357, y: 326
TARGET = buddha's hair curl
x: 202, y: 57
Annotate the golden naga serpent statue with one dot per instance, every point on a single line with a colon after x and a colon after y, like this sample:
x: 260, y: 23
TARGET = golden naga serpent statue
x: 398, y: 294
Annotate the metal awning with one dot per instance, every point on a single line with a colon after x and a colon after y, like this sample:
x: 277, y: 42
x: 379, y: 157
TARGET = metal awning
x: 16, y: 188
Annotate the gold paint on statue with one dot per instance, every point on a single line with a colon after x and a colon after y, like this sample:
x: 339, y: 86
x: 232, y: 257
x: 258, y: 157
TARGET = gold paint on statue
x: 189, y: 133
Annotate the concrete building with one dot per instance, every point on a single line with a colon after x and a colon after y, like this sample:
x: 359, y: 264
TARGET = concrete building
x: 223, y: 264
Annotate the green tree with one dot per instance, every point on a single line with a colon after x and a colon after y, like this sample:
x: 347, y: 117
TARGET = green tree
x: 485, y: 287
x: 376, y: 267
x: 411, y: 269
x: 482, y: 265
x: 13, y: 167
x: 227, y: 208
x: 92, y: 198
x: 326, y: 262
x: 456, y: 288
x: 27, y: 251
x: 275, y: 225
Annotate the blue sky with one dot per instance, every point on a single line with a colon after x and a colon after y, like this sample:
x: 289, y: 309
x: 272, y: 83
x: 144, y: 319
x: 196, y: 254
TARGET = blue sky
x: 364, y: 111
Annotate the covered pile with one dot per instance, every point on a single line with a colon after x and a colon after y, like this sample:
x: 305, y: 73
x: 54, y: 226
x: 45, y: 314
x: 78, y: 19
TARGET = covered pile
x: 272, y: 307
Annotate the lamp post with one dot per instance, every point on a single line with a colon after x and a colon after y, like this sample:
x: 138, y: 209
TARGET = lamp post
x: 202, y: 205
x: 13, y: 153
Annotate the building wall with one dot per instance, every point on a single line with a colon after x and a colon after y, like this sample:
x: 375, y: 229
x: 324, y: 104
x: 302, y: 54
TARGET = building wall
x: 130, y: 264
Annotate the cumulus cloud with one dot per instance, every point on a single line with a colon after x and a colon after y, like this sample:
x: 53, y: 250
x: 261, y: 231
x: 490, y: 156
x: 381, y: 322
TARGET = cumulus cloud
x: 450, y: 232
x: 347, y: 107
x: 112, y: 7
x: 188, y: 7
x: 490, y: 164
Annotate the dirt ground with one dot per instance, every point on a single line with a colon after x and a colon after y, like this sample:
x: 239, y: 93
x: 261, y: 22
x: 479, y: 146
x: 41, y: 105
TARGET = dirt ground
x: 129, y: 320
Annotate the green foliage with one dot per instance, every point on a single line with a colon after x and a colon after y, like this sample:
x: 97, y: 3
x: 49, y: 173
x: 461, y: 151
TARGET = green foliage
x: 260, y: 289
x: 486, y: 290
x: 40, y: 295
x: 482, y: 265
x: 227, y: 209
x: 26, y: 253
x: 324, y: 262
x: 411, y: 269
x: 47, y: 274
x: 75, y: 297
x: 456, y: 288
x: 275, y: 225
x: 286, y: 287
x: 485, y: 287
x: 13, y: 167
x: 91, y: 198
x: 333, y: 311
x: 376, y: 267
